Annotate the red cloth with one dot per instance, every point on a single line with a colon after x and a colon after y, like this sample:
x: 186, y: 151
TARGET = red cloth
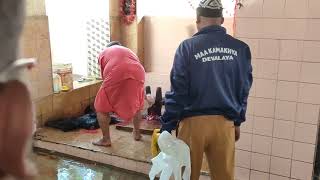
x: 122, y: 90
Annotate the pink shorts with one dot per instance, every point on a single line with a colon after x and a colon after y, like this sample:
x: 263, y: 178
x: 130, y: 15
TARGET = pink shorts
x: 125, y: 99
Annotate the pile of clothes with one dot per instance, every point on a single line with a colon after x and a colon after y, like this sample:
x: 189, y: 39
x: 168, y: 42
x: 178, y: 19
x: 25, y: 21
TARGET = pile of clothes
x: 153, y: 107
x: 88, y: 121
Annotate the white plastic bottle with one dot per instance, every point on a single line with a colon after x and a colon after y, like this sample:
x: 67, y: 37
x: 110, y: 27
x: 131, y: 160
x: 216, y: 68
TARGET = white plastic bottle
x: 174, y: 155
x: 57, y: 85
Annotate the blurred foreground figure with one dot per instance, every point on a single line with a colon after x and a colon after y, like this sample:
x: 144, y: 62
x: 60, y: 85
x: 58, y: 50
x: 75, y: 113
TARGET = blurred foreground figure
x: 16, y: 113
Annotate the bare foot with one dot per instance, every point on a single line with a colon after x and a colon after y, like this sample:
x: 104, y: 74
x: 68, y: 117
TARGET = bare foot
x: 103, y: 142
x: 137, y: 135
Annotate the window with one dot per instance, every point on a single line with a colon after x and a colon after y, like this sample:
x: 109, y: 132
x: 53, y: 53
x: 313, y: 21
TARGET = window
x: 79, y: 31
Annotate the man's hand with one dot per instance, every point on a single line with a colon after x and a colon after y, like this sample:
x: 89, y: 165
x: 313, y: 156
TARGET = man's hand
x: 237, y: 133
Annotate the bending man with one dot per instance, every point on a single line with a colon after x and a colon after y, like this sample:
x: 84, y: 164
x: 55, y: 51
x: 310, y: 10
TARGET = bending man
x: 122, y: 90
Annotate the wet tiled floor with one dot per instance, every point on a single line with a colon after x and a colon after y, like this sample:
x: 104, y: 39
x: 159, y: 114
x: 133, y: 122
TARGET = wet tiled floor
x: 53, y: 167
x: 123, y: 144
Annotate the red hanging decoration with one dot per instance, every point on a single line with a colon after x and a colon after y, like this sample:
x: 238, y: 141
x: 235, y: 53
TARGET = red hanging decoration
x: 128, y: 11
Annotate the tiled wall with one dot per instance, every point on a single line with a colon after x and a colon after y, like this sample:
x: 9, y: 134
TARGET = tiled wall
x: 64, y: 105
x: 278, y: 140
x: 161, y: 42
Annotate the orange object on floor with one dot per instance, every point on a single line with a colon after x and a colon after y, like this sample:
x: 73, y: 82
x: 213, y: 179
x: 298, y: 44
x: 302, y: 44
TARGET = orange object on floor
x: 155, y: 150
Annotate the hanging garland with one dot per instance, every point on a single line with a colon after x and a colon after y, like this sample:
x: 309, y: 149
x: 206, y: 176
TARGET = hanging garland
x: 128, y: 11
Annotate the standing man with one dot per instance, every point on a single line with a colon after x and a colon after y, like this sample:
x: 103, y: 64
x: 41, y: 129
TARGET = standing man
x: 122, y: 90
x: 210, y: 82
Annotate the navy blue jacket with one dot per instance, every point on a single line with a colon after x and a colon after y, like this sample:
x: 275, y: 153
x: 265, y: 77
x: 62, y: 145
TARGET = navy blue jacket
x: 211, y: 75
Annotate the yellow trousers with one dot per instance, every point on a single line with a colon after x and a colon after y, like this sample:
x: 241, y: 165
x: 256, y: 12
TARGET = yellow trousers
x: 214, y: 136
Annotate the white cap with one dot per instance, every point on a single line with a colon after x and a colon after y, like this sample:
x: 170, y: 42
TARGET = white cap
x: 211, y: 4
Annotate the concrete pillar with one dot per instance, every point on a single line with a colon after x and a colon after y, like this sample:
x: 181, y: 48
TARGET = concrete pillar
x: 35, y: 42
x: 115, y: 24
x: 35, y: 7
x: 129, y: 35
x: 126, y: 34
